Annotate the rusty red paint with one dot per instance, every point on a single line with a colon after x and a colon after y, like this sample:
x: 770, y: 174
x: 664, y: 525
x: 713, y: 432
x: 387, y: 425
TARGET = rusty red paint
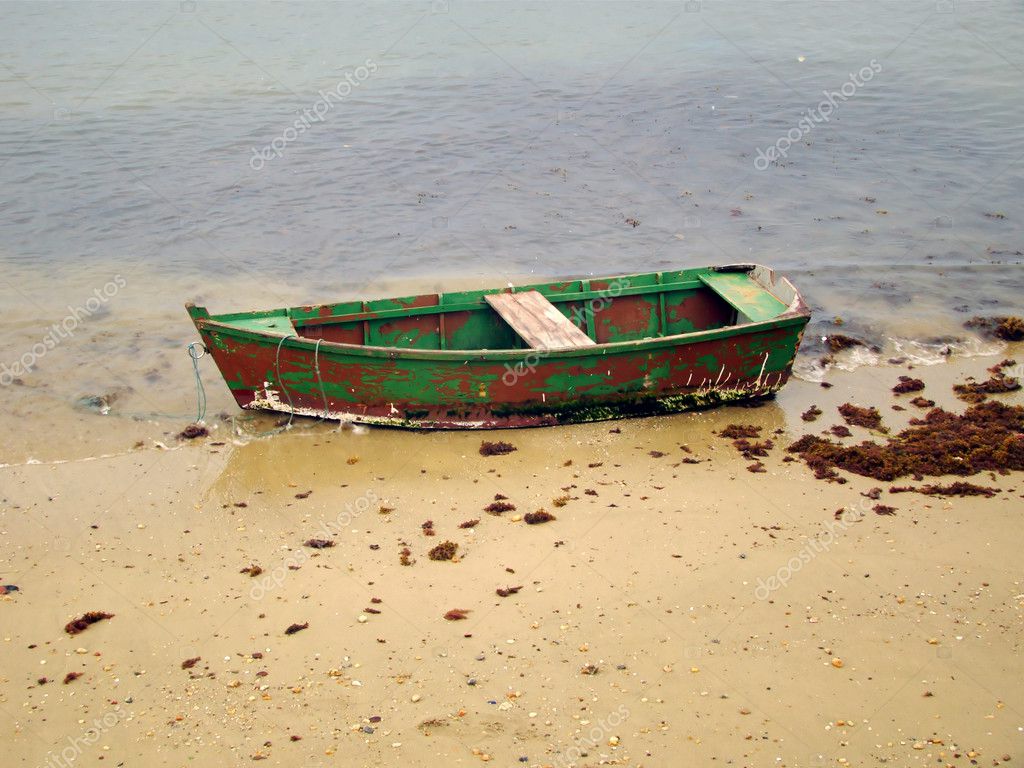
x: 510, y: 387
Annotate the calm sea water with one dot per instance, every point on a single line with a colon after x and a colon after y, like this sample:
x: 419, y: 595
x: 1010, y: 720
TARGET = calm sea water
x: 249, y: 155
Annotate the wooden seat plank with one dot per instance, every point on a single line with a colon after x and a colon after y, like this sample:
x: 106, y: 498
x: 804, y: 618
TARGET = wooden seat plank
x: 744, y: 294
x: 537, y: 320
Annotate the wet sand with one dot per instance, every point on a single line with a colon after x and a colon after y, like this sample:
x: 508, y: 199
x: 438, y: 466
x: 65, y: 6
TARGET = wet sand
x: 648, y: 631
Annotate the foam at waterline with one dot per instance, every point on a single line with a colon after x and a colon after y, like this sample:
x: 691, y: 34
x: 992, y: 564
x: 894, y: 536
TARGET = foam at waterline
x: 933, y: 353
x: 913, y: 351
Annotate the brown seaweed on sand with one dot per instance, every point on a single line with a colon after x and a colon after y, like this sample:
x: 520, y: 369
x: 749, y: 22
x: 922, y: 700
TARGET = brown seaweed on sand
x: 428, y: 528
x: 71, y: 677
x: 1006, y: 328
x: 739, y: 431
x: 252, y: 570
x: 535, y: 518
x: 470, y: 523
x: 506, y: 591
x: 907, y: 384
x: 456, y: 614
x: 856, y: 416
x: 839, y: 430
x: 975, y: 391
x: 85, y: 621
x: 495, y: 449
x: 958, y: 488
x: 192, y: 431
x: 443, y: 551
x: 293, y: 628
x: 752, y: 450
x: 922, y: 402
x: 986, y: 437
x: 874, y: 494
x: 882, y: 509
x: 404, y: 557
x: 189, y: 663
x: 756, y: 467
x: 811, y: 414
x: 497, y: 507
x: 319, y: 543
x: 837, y: 342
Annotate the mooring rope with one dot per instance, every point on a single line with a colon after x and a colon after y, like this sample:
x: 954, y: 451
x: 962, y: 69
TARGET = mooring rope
x: 200, y: 390
x: 280, y: 382
x: 319, y: 378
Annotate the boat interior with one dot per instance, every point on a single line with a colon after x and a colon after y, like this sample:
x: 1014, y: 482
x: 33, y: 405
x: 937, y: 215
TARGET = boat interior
x: 555, y: 315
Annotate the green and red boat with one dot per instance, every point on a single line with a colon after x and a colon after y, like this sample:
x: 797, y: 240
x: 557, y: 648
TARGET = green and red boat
x: 557, y: 352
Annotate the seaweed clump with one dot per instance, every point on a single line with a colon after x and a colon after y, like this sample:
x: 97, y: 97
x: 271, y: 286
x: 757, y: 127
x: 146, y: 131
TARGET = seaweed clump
x: 740, y: 431
x: 444, y: 551
x: 192, y: 431
x: 922, y: 402
x: 958, y: 488
x: 497, y: 507
x: 908, y: 384
x: 856, y: 416
x: 811, y: 414
x: 976, y: 391
x: 751, y: 450
x: 85, y: 621
x: 837, y: 342
x: 987, y: 437
x: 319, y: 543
x: 293, y: 628
x: 538, y: 517
x: 1006, y: 328
x: 495, y: 449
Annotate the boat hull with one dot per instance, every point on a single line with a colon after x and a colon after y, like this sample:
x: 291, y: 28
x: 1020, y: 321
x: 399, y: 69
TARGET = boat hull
x: 505, y: 388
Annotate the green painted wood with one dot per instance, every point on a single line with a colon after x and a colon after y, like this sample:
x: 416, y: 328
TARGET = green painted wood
x: 302, y: 318
x: 744, y: 295
x: 662, y: 319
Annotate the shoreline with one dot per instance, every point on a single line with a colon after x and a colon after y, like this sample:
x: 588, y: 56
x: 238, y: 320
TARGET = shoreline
x: 641, y: 634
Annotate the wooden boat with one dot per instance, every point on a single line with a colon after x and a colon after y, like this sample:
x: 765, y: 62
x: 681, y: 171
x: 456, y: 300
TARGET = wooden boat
x: 552, y: 353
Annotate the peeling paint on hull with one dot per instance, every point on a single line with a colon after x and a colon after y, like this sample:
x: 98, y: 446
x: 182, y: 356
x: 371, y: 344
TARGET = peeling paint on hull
x: 268, y: 365
x: 438, y: 418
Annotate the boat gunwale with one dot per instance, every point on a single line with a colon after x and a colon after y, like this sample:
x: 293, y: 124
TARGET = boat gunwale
x: 293, y: 341
x: 796, y: 313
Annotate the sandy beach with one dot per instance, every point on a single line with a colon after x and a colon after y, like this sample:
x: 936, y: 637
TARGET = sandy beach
x: 266, y: 594
x: 673, y: 613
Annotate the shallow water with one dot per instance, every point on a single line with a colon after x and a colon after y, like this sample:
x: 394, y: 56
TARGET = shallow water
x: 482, y: 143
